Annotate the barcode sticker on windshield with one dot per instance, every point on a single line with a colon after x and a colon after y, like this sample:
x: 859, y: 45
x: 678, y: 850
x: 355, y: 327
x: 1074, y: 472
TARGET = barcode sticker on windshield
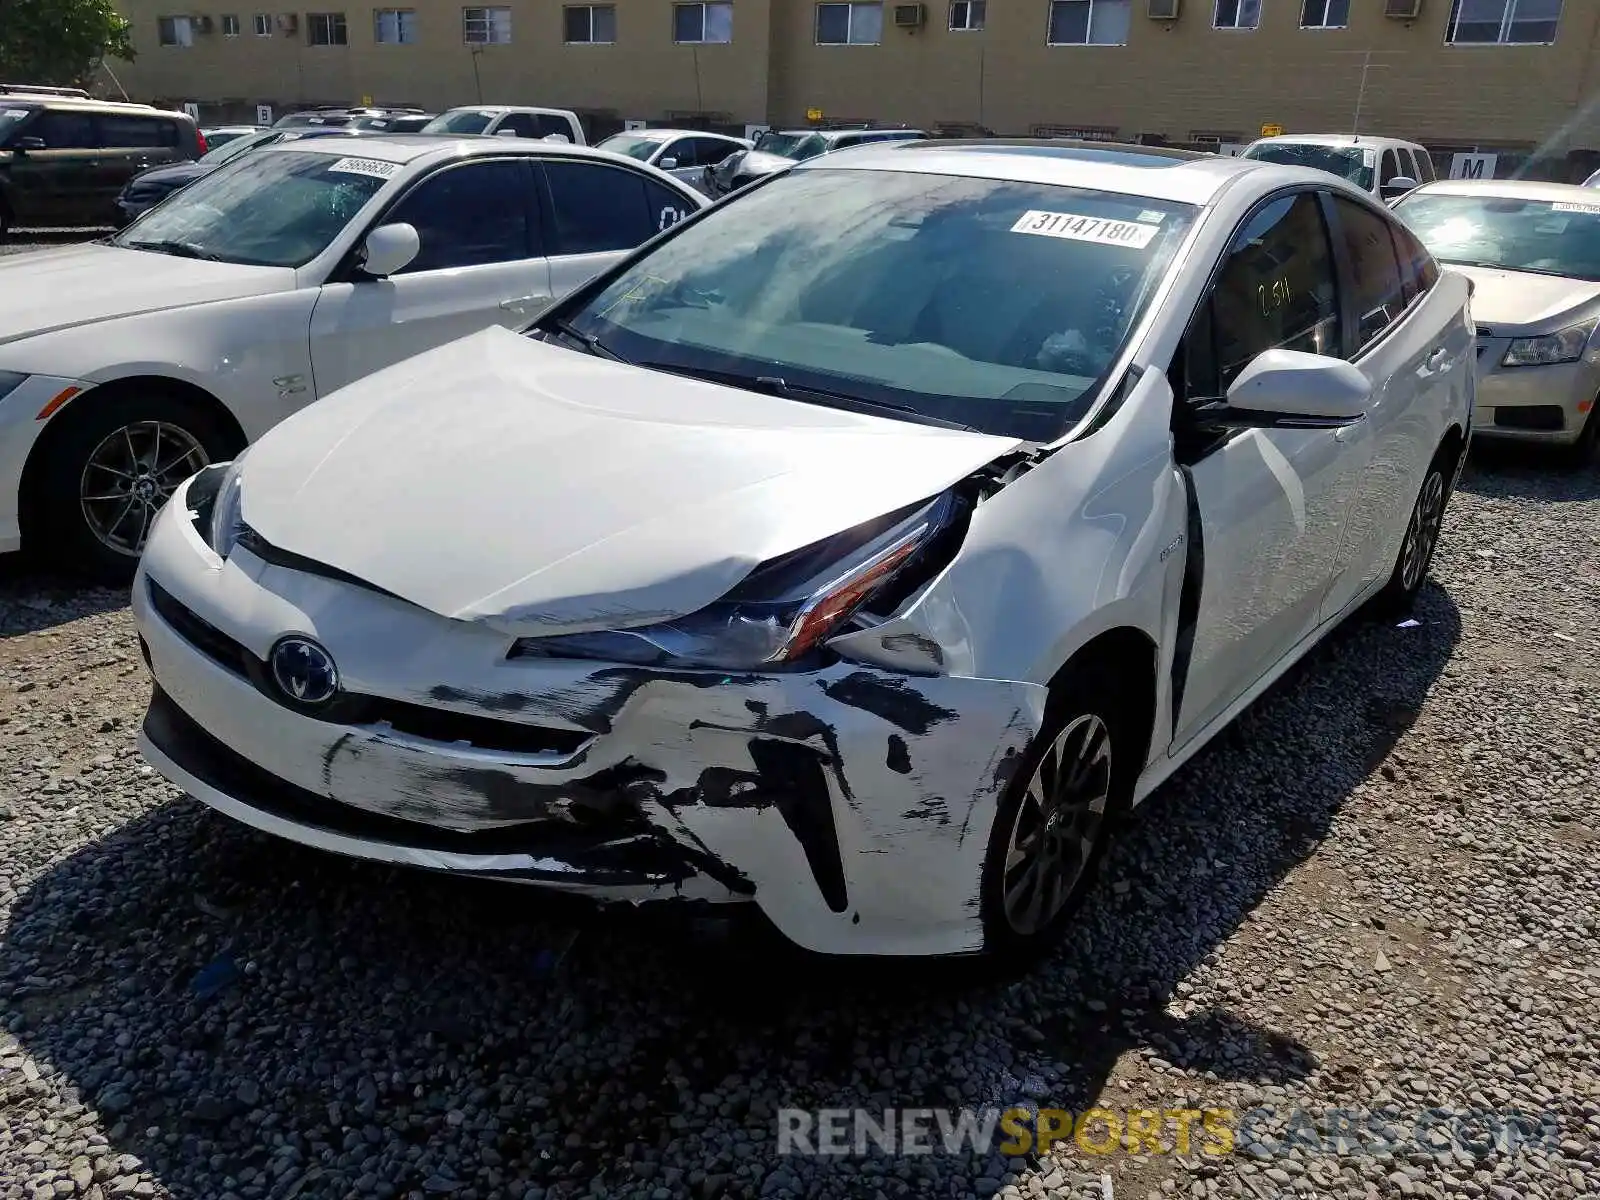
x: 1078, y: 228
x: 16, y: 112
x: 374, y: 167
x: 1583, y: 208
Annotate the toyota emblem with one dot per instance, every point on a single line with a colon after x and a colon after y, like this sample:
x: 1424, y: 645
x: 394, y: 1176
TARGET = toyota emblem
x: 304, y: 671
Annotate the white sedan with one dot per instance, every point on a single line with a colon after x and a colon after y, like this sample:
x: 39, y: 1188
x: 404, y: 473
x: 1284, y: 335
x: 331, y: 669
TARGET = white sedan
x: 127, y: 364
x: 858, y: 550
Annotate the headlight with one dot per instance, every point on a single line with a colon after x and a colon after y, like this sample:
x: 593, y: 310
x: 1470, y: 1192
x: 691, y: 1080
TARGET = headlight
x: 221, y: 527
x: 782, y: 610
x: 1565, y: 346
x: 10, y: 381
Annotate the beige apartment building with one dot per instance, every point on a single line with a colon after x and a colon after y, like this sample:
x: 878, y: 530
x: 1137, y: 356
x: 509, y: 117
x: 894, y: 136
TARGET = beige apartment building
x: 1520, y: 78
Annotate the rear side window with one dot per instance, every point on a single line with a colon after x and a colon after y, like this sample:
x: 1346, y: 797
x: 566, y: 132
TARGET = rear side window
x: 521, y: 124
x: 1368, y: 246
x: 470, y: 216
x: 667, y: 208
x: 1277, y: 290
x: 118, y: 132
x: 1418, y: 271
x: 65, y: 131
x: 548, y: 123
x: 598, y: 207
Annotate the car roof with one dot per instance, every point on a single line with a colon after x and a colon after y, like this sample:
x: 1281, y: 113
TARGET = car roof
x: 498, y: 109
x: 405, y: 148
x: 660, y: 135
x: 1510, y: 189
x: 26, y: 99
x: 1335, y: 139
x: 1186, y: 177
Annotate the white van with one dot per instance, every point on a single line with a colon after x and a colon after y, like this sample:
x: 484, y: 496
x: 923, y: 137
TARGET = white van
x: 1386, y: 167
x: 506, y: 120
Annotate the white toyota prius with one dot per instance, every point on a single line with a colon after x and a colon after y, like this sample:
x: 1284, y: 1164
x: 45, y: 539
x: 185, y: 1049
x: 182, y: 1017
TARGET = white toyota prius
x: 859, y: 549
x: 127, y: 364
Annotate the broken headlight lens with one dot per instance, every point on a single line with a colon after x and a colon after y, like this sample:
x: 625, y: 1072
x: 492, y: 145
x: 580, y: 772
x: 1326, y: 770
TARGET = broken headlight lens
x: 1564, y: 346
x: 780, y: 613
x: 222, y: 530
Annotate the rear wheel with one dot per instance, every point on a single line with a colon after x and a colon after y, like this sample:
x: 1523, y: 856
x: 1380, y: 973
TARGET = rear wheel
x: 109, y: 471
x: 1421, y: 539
x: 1055, y: 820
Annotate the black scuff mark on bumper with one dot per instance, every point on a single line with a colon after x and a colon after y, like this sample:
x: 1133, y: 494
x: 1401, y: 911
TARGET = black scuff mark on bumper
x: 899, y: 756
x: 929, y: 808
x: 331, y: 756
x: 893, y: 700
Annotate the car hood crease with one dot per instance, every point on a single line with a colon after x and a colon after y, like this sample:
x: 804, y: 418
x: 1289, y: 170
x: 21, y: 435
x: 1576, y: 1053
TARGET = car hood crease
x: 543, y: 490
x: 1522, y: 300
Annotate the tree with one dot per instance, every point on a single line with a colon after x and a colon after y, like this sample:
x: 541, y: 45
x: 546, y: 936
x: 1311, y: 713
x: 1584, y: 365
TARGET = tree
x: 59, y: 42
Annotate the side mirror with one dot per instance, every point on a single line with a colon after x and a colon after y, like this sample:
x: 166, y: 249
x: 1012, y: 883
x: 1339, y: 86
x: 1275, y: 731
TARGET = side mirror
x: 666, y: 164
x: 23, y: 144
x: 1399, y: 185
x: 389, y: 248
x: 1296, y: 389
x: 504, y: 132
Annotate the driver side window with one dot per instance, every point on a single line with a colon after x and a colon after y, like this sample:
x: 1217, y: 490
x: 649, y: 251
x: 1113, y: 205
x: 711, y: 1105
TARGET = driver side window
x: 1277, y: 289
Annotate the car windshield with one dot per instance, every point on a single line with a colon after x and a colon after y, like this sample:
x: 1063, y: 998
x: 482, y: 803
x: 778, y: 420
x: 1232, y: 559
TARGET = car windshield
x: 1347, y: 162
x: 459, y: 122
x: 632, y: 145
x: 798, y: 146
x: 986, y: 303
x: 278, y: 209
x: 1547, y: 237
x: 10, y: 118
x: 234, y: 147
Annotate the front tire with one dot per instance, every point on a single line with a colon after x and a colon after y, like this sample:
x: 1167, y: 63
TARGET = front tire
x: 1055, y: 821
x: 107, y: 473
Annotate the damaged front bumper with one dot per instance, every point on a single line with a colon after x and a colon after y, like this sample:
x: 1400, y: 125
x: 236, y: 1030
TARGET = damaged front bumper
x: 852, y: 804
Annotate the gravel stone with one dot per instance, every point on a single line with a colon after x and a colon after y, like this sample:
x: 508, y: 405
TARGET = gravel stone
x: 1378, y: 891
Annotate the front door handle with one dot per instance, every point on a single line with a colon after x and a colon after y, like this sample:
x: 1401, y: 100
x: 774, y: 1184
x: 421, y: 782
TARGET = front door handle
x: 521, y: 303
x: 1437, y: 358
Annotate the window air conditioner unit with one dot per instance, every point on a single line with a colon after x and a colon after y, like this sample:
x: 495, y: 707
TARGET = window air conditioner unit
x: 1165, y: 10
x: 908, y: 16
x: 1402, y: 10
x: 201, y: 24
x: 288, y: 22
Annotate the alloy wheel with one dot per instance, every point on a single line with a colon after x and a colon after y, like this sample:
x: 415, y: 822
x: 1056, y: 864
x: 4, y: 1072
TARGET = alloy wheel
x: 1058, y: 824
x: 1422, y: 531
x: 130, y: 475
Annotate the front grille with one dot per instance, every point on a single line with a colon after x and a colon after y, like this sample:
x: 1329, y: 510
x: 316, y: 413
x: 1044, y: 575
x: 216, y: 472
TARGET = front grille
x: 1543, y: 417
x: 354, y: 708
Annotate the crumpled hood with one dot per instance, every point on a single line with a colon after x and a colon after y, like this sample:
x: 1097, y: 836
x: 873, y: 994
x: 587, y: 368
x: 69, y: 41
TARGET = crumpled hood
x: 743, y: 166
x: 1521, y: 302
x: 53, y: 289
x: 545, y: 490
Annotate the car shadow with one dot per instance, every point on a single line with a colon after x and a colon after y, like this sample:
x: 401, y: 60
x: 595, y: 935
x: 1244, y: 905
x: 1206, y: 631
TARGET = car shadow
x: 249, y: 1017
x: 33, y: 599
x: 1515, y: 469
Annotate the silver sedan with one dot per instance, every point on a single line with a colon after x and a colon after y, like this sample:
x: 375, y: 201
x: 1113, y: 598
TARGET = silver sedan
x: 1532, y: 251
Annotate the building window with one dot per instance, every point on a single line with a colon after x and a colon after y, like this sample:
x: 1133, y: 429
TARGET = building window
x: 326, y: 29
x: 849, y: 24
x: 1237, y: 14
x: 175, y: 31
x: 394, y: 26
x: 591, y: 23
x: 1325, y: 14
x: 702, y: 23
x: 230, y: 25
x: 263, y: 23
x: 486, y: 26
x: 1090, y: 22
x: 967, y: 15
x: 1503, y: 22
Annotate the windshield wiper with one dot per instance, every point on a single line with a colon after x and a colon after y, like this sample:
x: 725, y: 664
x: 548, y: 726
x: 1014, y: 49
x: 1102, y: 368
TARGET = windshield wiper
x: 1494, y: 266
x: 588, y: 341
x: 776, y: 385
x: 177, y: 249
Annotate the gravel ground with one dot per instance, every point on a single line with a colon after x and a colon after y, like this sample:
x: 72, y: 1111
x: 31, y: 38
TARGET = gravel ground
x: 1377, y: 891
